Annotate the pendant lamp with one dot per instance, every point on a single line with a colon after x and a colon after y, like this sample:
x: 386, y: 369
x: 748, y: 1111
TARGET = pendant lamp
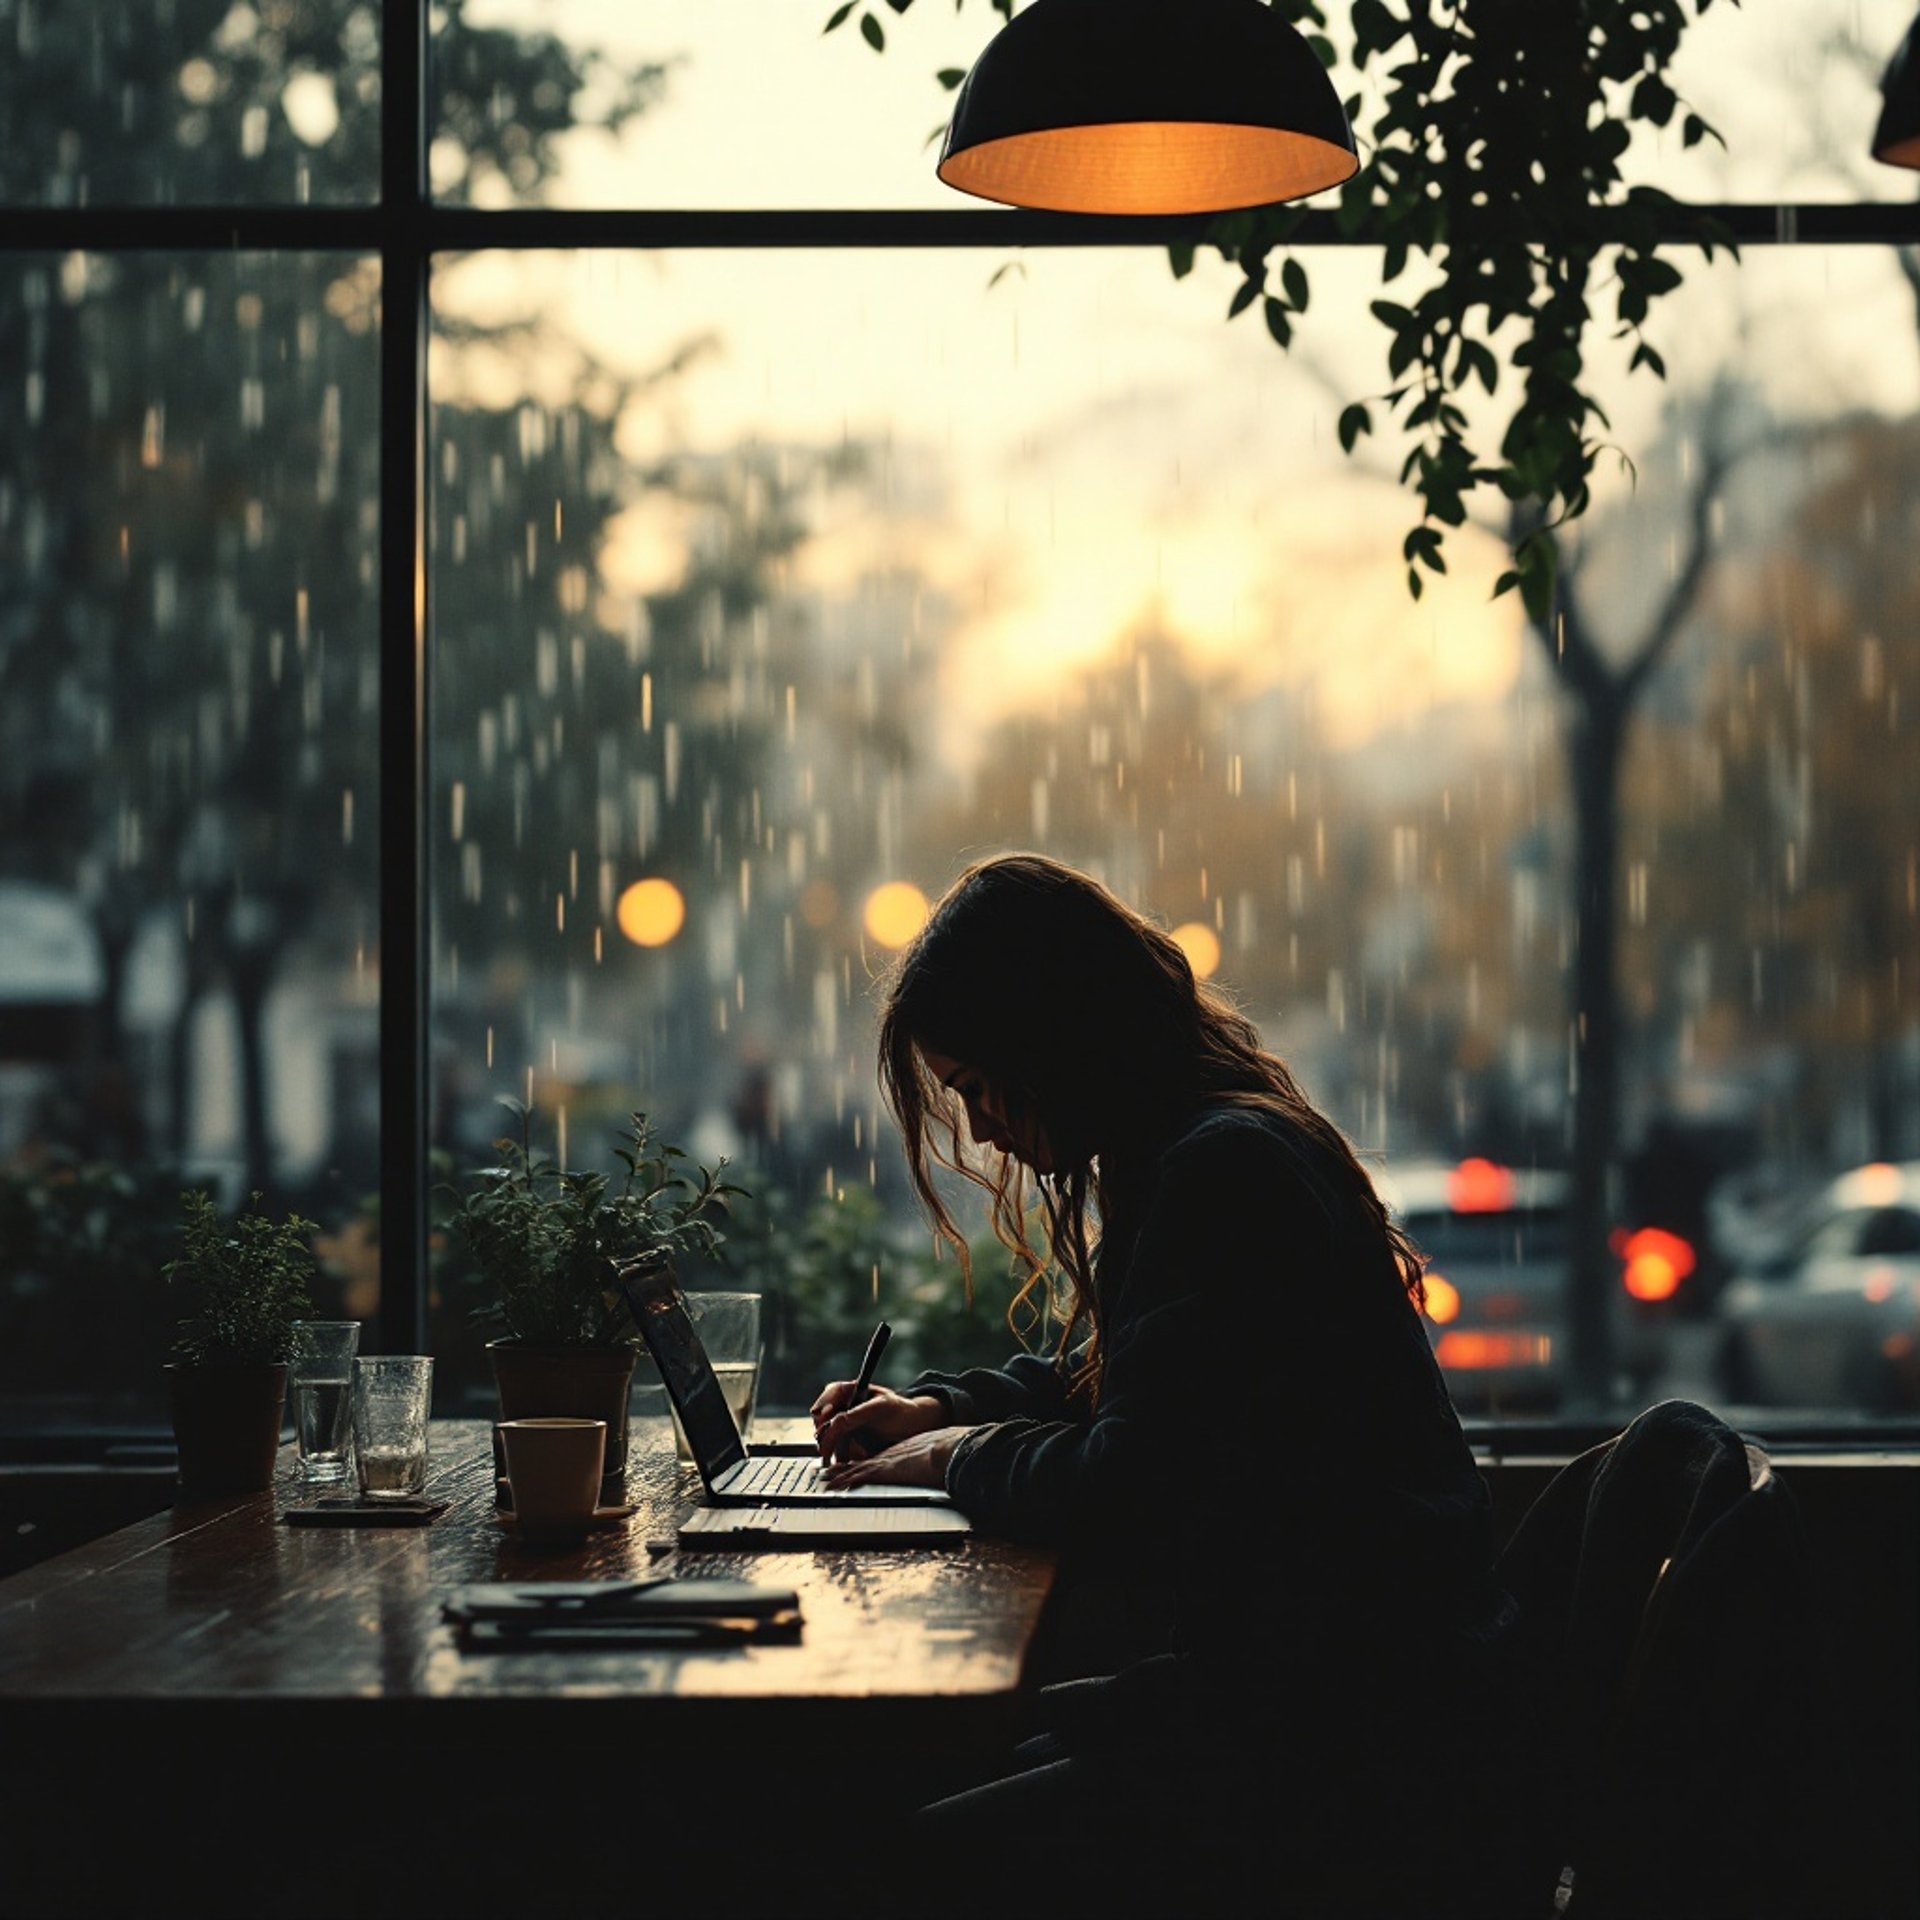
x: 1896, y: 140
x: 1147, y: 106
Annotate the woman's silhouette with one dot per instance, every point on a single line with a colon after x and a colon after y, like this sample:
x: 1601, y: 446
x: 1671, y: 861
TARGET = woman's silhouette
x: 1237, y: 1404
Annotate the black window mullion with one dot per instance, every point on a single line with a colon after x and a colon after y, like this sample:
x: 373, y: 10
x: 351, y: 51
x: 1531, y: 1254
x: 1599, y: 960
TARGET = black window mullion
x: 1888, y: 223
x: 403, y: 683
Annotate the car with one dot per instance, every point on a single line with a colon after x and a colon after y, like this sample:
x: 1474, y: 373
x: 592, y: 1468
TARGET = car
x: 1497, y: 1243
x: 1832, y: 1320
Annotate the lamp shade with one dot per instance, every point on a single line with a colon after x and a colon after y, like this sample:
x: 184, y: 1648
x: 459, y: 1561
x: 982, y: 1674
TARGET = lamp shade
x: 1896, y: 140
x: 1147, y: 106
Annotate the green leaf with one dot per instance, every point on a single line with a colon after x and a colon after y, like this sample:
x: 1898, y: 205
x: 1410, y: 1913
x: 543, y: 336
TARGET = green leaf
x: 1293, y: 277
x: 1247, y: 293
x: 899, y: 6
x: 1644, y: 355
x: 1180, y: 258
x: 1423, y: 544
x: 873, y: 33
x: 1505, y: 584
x: 1415, y: 586
x: 838, y: 17
x: 949, y: 77
x: 1277, y: 322
x: 1538, y: 562
x: 1653, y: 100
x: 1354, y: 421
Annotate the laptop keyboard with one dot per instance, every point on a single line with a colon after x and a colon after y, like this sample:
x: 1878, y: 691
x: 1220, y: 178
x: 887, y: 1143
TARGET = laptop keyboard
x: 786, y: 1473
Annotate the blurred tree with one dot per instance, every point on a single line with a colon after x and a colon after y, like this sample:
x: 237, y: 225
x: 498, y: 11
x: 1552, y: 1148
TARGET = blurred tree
x: 1602, y: 689
x: 189, y: 478
x: 1809, y: 772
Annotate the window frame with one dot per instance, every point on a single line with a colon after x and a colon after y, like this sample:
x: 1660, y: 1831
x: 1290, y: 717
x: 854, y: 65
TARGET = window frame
x: 405, y: 228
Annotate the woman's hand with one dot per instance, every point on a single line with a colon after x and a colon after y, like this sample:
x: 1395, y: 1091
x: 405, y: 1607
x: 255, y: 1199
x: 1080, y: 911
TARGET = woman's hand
x: 880, y: 1420
x: 920, y: 1460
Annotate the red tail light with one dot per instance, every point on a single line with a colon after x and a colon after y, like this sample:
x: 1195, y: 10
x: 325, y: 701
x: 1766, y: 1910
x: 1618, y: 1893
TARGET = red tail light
x: 1471, y: 1350
x: 1656, y: 1261
x: 1479, y: 1186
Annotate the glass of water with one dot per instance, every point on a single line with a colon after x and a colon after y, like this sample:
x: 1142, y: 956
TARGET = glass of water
x: 321, y: 1376
x: 729, y: 1328
x: 391, y: 1393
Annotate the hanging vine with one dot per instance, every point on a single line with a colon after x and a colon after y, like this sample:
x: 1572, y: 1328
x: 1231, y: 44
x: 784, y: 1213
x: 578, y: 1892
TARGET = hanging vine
x: 1493, y: 158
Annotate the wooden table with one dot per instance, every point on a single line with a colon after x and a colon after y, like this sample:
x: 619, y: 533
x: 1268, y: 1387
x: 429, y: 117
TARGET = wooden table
x: 213, y: 1670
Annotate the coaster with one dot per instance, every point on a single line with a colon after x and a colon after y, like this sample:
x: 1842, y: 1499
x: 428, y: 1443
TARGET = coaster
x: 602, y: 1517
x: 351, y: 1512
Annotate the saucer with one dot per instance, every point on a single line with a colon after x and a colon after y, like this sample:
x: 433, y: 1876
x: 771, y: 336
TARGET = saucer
x: 602, y: 1517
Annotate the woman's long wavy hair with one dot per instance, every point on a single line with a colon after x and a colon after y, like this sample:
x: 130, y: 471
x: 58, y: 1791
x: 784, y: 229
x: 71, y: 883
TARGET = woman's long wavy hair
x: 1087, y: 1019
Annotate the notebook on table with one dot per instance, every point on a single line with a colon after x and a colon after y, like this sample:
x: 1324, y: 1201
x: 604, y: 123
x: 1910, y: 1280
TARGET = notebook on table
x: 795, y: 1529
x: 765, y: 1479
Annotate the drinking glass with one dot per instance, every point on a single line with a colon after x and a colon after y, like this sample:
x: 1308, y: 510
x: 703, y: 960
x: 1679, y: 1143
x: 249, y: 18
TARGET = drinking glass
x: 390, y: 1398
x: 729, y: 1328
x: 321, y: 1376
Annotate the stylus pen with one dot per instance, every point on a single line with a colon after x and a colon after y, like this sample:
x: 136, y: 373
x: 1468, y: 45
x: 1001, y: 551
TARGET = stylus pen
x: 875, y: 1348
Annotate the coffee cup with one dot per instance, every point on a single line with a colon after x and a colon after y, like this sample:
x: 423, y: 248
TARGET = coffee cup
x: 553, y: 1468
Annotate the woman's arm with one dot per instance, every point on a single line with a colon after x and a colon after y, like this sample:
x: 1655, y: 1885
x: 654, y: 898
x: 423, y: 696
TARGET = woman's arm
x: 1228, y: 1229
x: 949, y: 1403
x: 1028, y: 1387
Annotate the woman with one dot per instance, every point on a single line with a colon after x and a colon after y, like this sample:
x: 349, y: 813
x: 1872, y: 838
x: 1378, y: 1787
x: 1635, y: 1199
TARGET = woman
x: 1240, y: 1401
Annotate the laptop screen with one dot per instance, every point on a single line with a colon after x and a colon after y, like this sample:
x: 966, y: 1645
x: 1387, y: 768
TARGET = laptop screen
x: 712, y: 1432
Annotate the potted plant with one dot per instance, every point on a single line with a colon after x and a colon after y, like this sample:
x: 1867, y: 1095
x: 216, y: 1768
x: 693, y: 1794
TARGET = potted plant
x: 541, y: 1240
x: 229, y: 1368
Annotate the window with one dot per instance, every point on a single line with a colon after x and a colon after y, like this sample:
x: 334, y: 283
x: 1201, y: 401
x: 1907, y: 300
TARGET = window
x: 766, y: 579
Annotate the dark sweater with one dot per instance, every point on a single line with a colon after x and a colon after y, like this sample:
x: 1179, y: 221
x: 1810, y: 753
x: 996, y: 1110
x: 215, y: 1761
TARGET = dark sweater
x: 1273, y: 1433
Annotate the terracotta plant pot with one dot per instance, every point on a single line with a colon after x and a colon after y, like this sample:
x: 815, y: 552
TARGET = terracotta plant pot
x: 226, y: 1422
x: 585, y: 1383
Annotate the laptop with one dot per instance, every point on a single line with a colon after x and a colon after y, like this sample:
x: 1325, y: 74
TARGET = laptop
x: 734, y: 1474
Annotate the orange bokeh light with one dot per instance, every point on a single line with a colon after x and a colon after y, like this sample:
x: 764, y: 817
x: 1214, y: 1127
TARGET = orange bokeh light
x: 1443, y: 1299
x: 819, y: 904
x: 895, y: 913
x: 1201, y: 945
x: 651, y: 912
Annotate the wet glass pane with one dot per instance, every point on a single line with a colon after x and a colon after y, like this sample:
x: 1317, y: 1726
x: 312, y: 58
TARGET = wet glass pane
x: 189, y: 102
x: 188, y: 790
x: 695, y: 103
x: 1795, y: 93
x: 768, y: 589
x: 734, y: 103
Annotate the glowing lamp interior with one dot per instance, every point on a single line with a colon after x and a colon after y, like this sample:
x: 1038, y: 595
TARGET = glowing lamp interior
x: 1148, y: 166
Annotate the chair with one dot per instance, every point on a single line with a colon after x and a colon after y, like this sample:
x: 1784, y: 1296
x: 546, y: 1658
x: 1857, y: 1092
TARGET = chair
x: 1676, y: 1735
